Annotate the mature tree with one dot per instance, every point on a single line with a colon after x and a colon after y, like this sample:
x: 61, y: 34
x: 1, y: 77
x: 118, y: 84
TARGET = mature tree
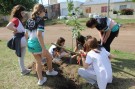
x: 7, y: 5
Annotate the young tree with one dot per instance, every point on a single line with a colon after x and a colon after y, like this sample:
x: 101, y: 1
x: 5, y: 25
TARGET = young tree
x: 7, y: 5
x: 73, y: 21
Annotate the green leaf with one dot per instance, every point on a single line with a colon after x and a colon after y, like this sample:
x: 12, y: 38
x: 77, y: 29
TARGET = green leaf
x: 7, y: 5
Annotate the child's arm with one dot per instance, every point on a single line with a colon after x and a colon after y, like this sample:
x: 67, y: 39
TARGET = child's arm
x: 41, y: 41
x: 13, y: 24
x: 11, y: 27
x: 85, y: 65
x: 86, y: 60
x: 75, y: 49
x: 110, y: 56
x: 83, y: 56
x: 107, y: 34
x: 26, y: 35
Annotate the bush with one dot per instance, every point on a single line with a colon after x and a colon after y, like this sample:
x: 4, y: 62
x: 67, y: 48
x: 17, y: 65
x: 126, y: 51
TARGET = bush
x: 127, y: 12
x: 115, y: 12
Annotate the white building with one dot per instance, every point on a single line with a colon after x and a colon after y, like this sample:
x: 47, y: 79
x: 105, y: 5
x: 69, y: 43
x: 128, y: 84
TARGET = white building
x: 100, y: 7
x: 63, y: 7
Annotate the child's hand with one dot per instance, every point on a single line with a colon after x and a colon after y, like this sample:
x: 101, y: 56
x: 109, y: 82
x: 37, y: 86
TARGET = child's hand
x: 79, y: 60
x: 73, y: 56
x: 14, y: 32
x: 44, y: 53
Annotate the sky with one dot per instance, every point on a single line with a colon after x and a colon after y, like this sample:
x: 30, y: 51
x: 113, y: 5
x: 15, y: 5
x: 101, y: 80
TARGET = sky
x: 46, y: 1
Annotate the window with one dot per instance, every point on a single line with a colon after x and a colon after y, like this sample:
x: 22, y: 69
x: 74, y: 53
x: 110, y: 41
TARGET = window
x: 103, y: 9
x: 88, y: 10
x: 123, y: 7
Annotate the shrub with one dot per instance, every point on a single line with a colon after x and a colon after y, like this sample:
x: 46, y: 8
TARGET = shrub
x: 127, y: 12
x: 115, y: 12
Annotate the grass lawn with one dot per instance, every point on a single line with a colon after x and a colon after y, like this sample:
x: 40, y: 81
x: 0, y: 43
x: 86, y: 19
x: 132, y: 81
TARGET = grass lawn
x: 84, y: 20
x: 81, y: 20
x: 10, y: 77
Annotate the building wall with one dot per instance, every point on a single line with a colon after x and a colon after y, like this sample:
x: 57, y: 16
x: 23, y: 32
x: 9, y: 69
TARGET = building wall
x: 63, y: 7
x: 53, y: 11
x: 53, y: 2
x: 96, y: 8
x: 116, y: 6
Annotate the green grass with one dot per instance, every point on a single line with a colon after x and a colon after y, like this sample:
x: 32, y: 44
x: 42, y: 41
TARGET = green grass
x: 81, y: 20
x: 125, y: 21
x: 3, y: 24
x: 10, y: 77
x: 54, y: 21
x: 84, y: 20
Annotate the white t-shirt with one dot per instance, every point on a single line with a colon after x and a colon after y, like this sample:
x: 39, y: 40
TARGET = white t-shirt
x: 101, y: 66
x: 51, y: 49
x: 20, y: 29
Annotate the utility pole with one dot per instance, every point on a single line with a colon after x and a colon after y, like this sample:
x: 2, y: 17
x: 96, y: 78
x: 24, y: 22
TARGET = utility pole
x: 42, y: 2
x: 48, y: 2
x: 108, y: 8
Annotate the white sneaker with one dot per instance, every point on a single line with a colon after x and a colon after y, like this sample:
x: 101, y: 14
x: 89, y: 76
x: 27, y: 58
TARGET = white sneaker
x: 41, y: 82
x: 53, y: 72
x: 26, y: 71
x: 44, y: 60
x: 56, y: 60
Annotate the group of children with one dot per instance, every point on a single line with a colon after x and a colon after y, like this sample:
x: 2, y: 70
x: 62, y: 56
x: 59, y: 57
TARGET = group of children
x: 32, y: 36
x: 94, y: 58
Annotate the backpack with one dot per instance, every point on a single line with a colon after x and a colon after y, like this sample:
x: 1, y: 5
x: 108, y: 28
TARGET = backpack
x: 102, y: 23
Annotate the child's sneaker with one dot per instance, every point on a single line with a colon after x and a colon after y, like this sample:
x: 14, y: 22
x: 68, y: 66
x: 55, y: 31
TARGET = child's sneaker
x: 26, y: 71
x: 56, y: 60
x: 41, y: 82
x: 53, y: 72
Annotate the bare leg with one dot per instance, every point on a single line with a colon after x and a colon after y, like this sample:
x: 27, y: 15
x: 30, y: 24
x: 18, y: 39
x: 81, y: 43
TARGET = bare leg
x: 49, y: 60
x: 38, y: 65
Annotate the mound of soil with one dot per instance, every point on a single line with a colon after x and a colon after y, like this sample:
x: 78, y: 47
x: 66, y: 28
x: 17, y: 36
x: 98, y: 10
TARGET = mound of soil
x: 67, y: 77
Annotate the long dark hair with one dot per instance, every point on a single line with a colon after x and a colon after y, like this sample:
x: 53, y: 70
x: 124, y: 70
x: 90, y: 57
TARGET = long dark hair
x: 91, y: 22
x: 60, y: 40
x: 80, y: 40
x: 16, y: 12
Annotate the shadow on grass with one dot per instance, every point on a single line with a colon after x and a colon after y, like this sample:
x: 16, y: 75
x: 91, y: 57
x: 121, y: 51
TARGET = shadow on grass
x: 120, y: 65
x: 68, y: 76
x: 124, y: 63
x: 117, y: 83
x: 121, y: 83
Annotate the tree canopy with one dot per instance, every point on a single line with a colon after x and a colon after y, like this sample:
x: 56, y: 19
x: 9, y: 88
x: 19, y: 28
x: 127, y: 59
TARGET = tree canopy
x: 7, y: 5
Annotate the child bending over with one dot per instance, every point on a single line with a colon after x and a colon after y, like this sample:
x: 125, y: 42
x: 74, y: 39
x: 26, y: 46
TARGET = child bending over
x: 57, y: 52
